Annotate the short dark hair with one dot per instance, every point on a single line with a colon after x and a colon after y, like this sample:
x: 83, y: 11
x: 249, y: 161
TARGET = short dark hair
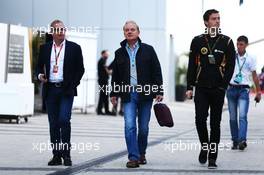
x: 243, y: 38
x: 103, y: 52
x: 208, y: 13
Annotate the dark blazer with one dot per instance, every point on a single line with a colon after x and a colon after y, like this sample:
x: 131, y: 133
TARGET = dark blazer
x: 102, y: 73
x: 73, y: 68
x: 148, y: 71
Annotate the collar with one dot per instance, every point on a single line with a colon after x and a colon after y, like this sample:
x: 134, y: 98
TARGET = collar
x: 62, y: 43
x: 124, y: 42
x: 212, y: 38
x: 136, y: 45
x: 243, y: 56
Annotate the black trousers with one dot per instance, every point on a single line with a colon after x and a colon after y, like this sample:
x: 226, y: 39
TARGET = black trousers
x: 119, y: 100
x: 59, y: 108
x: 103, y: 99
x: 205, y: 99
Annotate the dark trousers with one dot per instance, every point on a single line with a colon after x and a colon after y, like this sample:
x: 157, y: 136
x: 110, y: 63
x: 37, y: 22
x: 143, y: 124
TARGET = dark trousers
x: 59, y: 109
x: 204, y: 99
x: 103, y: 99
x: 118, y: 100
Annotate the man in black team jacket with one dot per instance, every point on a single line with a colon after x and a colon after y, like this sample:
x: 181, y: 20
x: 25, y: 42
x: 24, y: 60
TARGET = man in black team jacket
x: 211, y: 66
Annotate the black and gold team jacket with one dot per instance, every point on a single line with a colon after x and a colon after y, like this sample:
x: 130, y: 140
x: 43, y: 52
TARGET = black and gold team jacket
x: 202, y: 71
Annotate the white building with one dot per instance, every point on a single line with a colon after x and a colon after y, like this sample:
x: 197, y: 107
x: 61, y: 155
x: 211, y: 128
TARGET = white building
x: 108, y: 16
x: 157, y: 20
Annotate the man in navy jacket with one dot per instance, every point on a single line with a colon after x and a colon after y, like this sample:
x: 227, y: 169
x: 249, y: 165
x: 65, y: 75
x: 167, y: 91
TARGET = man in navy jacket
x: 60, y: 68
x: 137, y: 79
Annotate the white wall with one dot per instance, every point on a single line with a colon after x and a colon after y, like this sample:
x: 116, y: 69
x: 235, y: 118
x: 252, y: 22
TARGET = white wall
x: 18, y: 91
x: 86, y: 89
x: 25, y: 77
x: 3, y: 51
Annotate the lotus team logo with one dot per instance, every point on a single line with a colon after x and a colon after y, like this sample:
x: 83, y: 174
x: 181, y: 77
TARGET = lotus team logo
x: 204, y: 50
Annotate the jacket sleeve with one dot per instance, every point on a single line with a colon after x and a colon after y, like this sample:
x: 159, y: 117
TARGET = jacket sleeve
x: 157, y: 73
x: 192, y: 67
x: 79, y: 67
x: 230, y: 63
x: 114, y: 80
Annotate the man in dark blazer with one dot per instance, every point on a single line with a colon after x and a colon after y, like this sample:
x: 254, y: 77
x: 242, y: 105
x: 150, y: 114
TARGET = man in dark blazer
x: 137, y: 78
x: 60, y: 68
x: 103, y: 77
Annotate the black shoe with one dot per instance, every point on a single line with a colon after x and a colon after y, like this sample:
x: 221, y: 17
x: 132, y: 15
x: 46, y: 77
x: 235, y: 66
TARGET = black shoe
x: 235, y: 146
x: 114, y: 110
x: 132, y: 164
x: 203, y: 156
x: 67, y: 161
x: 56, y: 160
x: 121, y: 113
x: 212, y: 164
x: 110, y: 113
x: 142, y: 160
x: 114, y: 113
x: 242, y: 145
x: 100, y: 113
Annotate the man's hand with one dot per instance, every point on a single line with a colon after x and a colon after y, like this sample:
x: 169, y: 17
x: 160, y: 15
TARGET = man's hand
x: 189, y: 94
x: 114, y: 101
x: 159, y: 98
x: 258, y: 97
x: 109, y: 71
x: 42, y: 78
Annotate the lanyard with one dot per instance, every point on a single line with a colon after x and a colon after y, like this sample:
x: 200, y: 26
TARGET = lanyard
x: 209, y: 47
x: 240, y: 67
x: 57, y: 56
x: 132, y: 54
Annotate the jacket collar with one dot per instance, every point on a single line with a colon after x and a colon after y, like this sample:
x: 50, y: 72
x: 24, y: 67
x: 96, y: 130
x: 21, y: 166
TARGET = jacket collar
x: 124, y: 42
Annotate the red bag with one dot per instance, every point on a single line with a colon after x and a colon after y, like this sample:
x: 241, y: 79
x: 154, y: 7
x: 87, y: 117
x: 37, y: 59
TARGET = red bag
x: 163, y: 115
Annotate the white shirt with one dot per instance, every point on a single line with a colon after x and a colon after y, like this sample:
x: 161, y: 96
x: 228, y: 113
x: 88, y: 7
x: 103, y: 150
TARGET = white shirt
x: 247, y: 69
x: 57, y: 77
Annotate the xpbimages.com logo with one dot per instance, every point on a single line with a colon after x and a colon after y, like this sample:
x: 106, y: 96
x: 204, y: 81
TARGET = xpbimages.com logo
x: 189, y: 145
x: 116, y: 88
x: 42, y: 30
x: 80, y: 147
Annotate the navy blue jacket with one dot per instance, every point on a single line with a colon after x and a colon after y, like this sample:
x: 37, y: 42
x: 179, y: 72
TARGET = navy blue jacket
x: 73, y: 68
x: 148, y: 71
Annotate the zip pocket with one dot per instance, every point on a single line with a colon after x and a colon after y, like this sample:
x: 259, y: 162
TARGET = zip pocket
x: 199, y: 69
x: 221, y: 71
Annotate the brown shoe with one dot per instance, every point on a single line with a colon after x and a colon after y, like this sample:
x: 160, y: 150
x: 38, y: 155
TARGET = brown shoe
x: 142, y: 160
x: 132, y: 164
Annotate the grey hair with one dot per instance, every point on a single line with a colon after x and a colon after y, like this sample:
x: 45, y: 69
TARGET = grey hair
x: 131, y: 22
x: 52, y: 24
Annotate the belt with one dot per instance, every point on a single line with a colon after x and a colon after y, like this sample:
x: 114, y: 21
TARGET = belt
x: 239, y: 86
x: 56, y: 84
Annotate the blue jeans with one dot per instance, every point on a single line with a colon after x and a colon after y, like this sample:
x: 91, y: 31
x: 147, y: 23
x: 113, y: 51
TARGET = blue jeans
x: 137, y: 144
x: 59, y: 109
x: 238, y: 100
